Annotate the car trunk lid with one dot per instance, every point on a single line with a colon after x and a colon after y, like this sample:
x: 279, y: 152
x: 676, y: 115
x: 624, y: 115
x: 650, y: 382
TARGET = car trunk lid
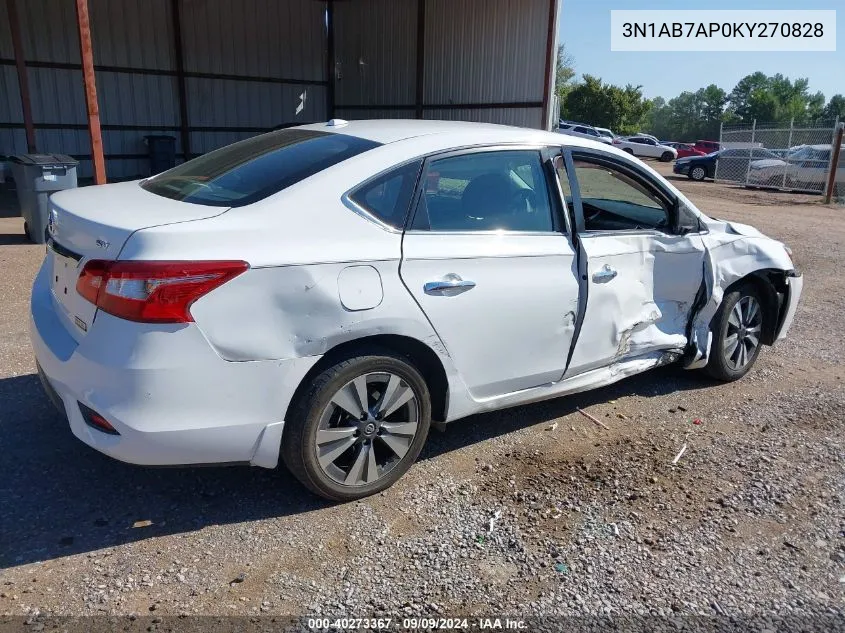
x: 94, y: 223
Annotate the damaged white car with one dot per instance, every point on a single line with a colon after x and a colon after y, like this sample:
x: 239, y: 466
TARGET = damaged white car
x: 322, y: 293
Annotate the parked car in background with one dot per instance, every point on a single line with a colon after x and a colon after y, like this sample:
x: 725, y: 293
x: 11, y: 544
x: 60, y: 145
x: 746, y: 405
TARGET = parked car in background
x: 606, y: 133
x: 583, y: 131
x: 320, y: 294
x: 732, y: 164
x: 651, y: 136
x: 685, y: 149
x: 806, y: 168
x: 708, y: 147
x: 646, y: 147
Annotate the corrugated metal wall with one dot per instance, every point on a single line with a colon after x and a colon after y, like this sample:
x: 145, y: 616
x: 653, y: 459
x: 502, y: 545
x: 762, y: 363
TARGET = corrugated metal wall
x: 253, y: 65
x: 486, y: 52
x: 279, y: 46
x: 248, y: 65
x: 482, y: 60
x: 375, y: 57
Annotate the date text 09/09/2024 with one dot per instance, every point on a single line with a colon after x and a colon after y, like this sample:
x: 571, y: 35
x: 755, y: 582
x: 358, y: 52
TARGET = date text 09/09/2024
x: 416, y: 623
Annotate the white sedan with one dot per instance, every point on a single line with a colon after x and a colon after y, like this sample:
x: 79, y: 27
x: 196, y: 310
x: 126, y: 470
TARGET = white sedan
x: 322, y: 293
x: 646, y: 147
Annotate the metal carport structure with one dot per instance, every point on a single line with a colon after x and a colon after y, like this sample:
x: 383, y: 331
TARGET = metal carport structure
x: 210, y: 72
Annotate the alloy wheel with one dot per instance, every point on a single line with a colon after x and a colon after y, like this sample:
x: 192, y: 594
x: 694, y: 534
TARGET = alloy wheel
x: 367, y: 428
x: 742, y: 338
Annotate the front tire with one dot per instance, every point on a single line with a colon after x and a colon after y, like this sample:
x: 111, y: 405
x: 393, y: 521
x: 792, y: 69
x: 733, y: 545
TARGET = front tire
x: 737, y: 334
x: 358, y: 427
x: 666, y: 157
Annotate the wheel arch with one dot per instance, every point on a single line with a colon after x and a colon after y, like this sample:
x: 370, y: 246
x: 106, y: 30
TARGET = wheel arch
x: 771, y: 286
x: 424, y: 358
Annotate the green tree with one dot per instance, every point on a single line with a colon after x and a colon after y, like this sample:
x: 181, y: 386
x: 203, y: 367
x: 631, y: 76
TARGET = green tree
x: 741, y: 95
x: 605, y: 105
x: 834, y: 109
x: 775, y: 99
x: 565, y: 72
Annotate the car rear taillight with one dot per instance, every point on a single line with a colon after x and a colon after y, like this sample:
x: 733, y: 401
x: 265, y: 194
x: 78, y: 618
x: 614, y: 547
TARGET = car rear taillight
x: 153, y: 292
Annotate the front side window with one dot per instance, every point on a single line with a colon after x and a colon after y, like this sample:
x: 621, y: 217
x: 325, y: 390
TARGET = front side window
x: 615, y: 201
x: 251, y: 170
x: 485, y: 191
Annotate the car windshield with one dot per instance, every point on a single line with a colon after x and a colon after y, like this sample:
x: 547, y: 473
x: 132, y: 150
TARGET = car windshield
x: 258, y: 167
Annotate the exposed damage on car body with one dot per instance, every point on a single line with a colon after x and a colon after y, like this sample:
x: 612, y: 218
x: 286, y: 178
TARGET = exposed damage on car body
x: 322, y: 294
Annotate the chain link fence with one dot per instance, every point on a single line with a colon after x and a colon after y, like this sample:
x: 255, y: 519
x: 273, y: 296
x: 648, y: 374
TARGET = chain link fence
x: 794, y: 158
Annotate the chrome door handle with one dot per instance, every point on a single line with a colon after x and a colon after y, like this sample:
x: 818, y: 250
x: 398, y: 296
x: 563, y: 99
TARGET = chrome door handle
x: 605, y: 274
x: 449, y: 286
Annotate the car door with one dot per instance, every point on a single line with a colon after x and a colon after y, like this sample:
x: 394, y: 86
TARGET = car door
x: 643, y: 261
x: 488, y: 258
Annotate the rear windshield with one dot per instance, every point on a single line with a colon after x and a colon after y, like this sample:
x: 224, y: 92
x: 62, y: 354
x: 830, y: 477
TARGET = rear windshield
x: 253, y: 169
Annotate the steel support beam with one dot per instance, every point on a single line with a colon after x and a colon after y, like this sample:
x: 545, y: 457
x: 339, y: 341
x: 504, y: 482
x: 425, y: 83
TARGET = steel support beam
x: 87, y: 53
x: 23, y: 78
x: 551, y: 62
x: 420, y: 95
x: 184, y: 129
x: 330, y: 60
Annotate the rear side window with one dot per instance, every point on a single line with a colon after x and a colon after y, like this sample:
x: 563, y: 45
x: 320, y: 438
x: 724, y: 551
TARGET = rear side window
x: 258, y: 167
x: 389, y: 196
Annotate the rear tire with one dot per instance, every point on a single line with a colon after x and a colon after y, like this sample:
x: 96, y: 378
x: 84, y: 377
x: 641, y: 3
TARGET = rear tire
x: 737, y: 334
x: 698, y: 174
x: 343, y: 457
x: 628, y: 150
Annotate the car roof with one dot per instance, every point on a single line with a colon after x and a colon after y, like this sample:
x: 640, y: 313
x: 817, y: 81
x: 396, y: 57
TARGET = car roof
x: 449, y: 134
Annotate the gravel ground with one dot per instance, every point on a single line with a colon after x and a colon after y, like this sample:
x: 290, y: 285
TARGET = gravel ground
x: 532, y: 511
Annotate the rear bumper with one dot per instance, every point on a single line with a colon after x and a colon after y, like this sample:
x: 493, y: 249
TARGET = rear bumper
x: 170, y: 397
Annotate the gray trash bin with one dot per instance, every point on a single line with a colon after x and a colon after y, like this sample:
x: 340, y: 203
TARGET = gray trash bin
x: 36, y: 177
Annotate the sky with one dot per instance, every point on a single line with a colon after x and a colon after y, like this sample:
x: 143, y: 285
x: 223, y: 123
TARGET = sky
x: 584, y: 26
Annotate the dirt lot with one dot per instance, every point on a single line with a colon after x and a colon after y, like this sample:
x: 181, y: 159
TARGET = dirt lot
x: 590, y: 520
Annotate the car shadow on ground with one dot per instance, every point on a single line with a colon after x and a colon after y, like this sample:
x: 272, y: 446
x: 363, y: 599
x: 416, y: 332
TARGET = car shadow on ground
x: 61, y: 497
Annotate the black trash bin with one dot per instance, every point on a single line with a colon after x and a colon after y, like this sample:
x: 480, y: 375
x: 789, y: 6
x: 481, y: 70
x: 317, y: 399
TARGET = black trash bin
x: 162, y: 150
x: 36, y: 177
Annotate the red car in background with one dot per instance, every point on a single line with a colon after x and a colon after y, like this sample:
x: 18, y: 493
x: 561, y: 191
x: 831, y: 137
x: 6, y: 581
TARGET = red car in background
x: 708, y: 147
x: 686, y: 149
